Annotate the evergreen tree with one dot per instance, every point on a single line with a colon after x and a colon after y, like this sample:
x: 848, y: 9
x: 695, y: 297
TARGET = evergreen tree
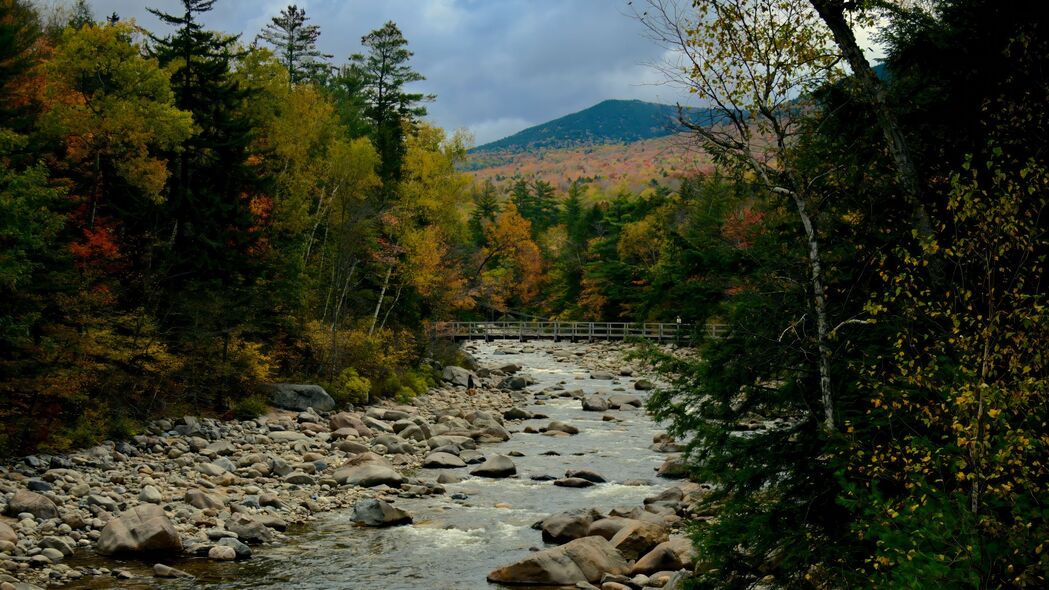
x: 296, y: 44
x: 486, y: 209
x: 385, y: 71
x: 82, y: 15
x: 19, y: 30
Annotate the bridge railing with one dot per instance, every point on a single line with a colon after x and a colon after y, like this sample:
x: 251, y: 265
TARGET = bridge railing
x: 525, y: 330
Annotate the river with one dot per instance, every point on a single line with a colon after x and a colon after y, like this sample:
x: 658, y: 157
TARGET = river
x: 459, y: 537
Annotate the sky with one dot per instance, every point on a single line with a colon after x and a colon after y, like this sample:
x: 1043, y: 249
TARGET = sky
x: 496, y: 66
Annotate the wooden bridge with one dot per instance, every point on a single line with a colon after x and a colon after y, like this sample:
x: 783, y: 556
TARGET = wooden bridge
x: 526, y: 330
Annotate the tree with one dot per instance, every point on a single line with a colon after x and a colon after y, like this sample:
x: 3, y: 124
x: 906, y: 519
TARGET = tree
x: 385, y: 72
x: 296, y: 43
x: 19, y: 32
x: 485, y: 210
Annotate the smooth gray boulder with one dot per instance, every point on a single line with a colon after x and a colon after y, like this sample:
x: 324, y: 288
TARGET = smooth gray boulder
x: 377, y: 513
x: 142, y: 529
x: 443, y: 461
x: 644, y: 385
x: 460, y: 376
x: 249, y: 530
x: 300, y: 397
x: 595, y: 403
x: 496, y: 466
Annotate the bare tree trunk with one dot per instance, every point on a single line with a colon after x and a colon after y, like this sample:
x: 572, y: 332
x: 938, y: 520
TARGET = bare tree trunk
x: 396, y: 298
x: 336, y: 313
x: 820, y: 305
x: 382, y: 295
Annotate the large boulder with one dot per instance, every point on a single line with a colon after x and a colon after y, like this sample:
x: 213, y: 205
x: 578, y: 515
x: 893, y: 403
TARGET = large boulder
x: 203, y: 500
x: 581, y: 560
x: 36, y: 504
x: 638, y: 538
x: 496, y: 466
x: 142, y: 529
x: 377, y: 513
x: 352, y: 421
x: 595, y: 403
x: 672, y: 555
x: 300, y: 397
x: 460, y: 376
x: 368, y: 475
x: 250, y: 530
x: 568, y: 526
x: 443, y: 461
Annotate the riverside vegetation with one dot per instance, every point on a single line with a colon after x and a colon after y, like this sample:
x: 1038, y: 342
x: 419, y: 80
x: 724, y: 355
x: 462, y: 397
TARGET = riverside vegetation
x: 186, y: 216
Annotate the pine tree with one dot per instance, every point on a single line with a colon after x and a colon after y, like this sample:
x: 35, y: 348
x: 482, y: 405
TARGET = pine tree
x: 385, y: 72
x: 82, y: 15
x: 486, y: 209
x: 296, y: 44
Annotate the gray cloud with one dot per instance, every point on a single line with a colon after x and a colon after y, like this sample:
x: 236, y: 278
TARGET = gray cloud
x: 496, y: 66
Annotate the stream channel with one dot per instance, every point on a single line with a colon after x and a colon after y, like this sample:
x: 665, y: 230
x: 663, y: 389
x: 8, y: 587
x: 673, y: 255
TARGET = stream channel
x: 454, y: 543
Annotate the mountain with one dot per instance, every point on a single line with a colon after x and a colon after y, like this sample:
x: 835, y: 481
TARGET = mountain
x: 610, y: 121
x: 613, y: 143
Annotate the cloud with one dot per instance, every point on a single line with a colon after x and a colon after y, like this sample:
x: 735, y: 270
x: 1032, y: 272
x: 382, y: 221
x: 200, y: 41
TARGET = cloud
x: 493, y: 129
x: 494, y: 65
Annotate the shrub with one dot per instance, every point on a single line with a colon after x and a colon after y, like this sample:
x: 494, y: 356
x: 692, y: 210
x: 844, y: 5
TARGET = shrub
x: 350, y: 388
x: 249, y: 408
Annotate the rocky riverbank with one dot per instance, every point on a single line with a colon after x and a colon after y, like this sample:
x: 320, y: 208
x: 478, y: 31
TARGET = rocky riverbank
x: 217, y: 489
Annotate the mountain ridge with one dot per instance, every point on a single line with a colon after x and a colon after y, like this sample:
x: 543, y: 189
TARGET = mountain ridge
x: 609, y: 121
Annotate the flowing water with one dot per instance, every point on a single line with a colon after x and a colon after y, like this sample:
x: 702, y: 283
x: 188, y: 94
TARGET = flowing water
x: 454, y: 543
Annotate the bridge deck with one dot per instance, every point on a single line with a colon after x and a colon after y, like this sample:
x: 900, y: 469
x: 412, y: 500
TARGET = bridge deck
x: 523, y: 330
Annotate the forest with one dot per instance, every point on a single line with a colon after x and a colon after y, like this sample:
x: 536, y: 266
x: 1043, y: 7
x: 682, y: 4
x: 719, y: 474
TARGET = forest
x: 186, y: 214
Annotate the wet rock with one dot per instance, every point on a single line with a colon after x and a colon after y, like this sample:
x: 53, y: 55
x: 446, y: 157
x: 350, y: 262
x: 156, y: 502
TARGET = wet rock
x: 557, y: 426
x: 496, y: 466
x: 672, y: 555
x: 581, y: 560
x: 249, y: 530
x: 585, y: 474
x: 602, y: 376
x: 620, y: 401
x: 443, y: 461
x: 516, y: 413
x: 141, y: 529
x: 33, y: 503
x: 377, y: 513
x: 240, y: 549
x: 573, y: 482
x: 166, y: 571
x: 595, y: 403
x: 64, y: 546
x: 299, y: 397
x: 644, y: 385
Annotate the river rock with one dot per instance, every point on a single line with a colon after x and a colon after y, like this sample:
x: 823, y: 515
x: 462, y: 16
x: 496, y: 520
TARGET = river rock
x: 7, y: 534
x: 637, y: 538
x: 460, y: 376
x: 496, y: 466
x: 443, y: 461
x: 36, y: 504
x: 573, y: 482
x: 241, y: 550
x: 608, y: 527
x: 377, y: 513
x: 249, y: 530
x: 671, y: 555
x: 595, y: 403
x: 620, y: 401
x: 299, y: 397
x: 562, y: 427
x: 368, y: 475
x: 581, y: 560
x: 203, y: 500
x: 166, y: 571
x: 674, y: 467
x: 644, y: 385
x: 568, y: 526
x: 222, y: 553
x: 142, y: 529
x: 150, y: 495
x: 585, y: 474
x: 516, y: 413
x: 65, y: 546
x: 602, y: 376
